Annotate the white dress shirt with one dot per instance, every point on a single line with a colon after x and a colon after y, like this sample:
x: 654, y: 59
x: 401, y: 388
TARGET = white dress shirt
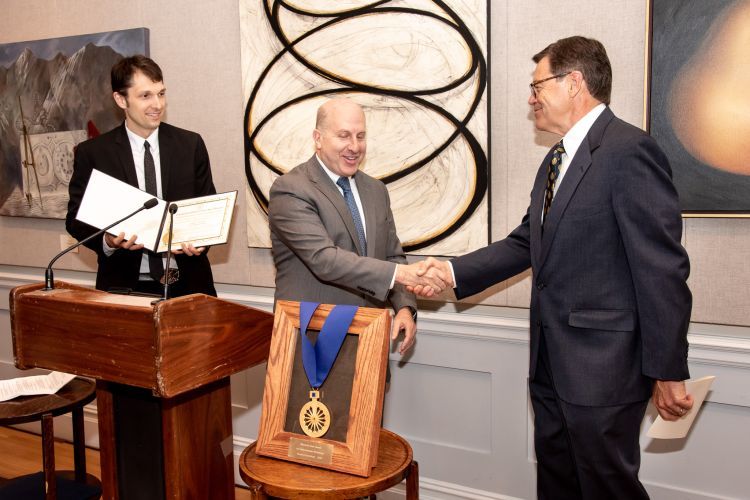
x: 573, y: 139
x: 138, y: 149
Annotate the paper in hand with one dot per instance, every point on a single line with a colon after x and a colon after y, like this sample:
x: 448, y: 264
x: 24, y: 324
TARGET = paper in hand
x: 107, y: 199
x: 201, y: 221
x: 663, y: 429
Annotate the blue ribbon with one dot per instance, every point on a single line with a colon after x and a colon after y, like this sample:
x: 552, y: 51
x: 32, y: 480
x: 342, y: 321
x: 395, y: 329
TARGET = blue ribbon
x: 319, y: 358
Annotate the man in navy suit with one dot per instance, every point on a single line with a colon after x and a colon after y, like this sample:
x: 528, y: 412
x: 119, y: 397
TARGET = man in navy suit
x: 180, y: 169
x: 610, y: 306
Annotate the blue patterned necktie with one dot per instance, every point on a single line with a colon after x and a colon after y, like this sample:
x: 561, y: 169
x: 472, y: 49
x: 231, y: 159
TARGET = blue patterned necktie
x: 553, y: 171
x: 343, y: 183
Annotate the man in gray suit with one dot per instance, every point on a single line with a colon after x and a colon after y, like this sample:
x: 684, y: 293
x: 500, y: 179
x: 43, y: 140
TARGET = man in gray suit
x: 610, y: 306
x: 332, y: 231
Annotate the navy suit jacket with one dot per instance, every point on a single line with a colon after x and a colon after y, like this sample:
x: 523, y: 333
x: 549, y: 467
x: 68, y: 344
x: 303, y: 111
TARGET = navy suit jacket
x: 609, y: 289
x: 185, y: 173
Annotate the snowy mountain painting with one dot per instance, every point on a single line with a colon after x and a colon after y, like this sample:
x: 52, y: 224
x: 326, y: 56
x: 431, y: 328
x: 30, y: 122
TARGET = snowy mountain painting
x: 59, y: 91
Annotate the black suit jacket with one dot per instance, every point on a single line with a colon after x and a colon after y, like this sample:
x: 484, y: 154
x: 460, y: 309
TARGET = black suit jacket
x: 609, y: 289
x: 185, y: 173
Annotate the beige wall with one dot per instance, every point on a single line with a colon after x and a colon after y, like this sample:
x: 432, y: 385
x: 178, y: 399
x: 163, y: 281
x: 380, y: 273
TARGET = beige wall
x: 197, y: 44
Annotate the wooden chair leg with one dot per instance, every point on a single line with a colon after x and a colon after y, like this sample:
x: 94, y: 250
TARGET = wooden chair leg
x: 412, y: 481
x: 256, y: 491
x: 48, y: 457
x: 79, y: 445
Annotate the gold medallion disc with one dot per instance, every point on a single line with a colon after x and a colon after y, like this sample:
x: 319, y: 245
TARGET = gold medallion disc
x: 314, y: 417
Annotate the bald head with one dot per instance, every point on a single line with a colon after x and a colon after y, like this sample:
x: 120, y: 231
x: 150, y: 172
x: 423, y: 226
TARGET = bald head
x: 339, y: 136
x: 334, y: 107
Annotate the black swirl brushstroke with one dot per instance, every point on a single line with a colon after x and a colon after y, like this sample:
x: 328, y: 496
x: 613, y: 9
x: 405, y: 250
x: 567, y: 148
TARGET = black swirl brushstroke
x: 478, y: 64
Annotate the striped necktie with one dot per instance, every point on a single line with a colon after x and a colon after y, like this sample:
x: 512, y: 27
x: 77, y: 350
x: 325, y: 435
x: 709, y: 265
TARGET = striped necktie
x: 553, y: 171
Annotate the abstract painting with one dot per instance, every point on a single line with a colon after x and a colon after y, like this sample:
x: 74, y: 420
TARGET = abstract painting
x: 419, y: 69
x: 54, y: 94
x: 698, y: 108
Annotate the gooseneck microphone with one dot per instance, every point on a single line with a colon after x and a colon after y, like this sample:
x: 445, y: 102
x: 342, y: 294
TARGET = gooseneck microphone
x: 172, y: 210
x: 49, y: 280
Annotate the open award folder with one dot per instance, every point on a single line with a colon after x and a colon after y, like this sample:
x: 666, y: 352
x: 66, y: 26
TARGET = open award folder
x: 202, y: 221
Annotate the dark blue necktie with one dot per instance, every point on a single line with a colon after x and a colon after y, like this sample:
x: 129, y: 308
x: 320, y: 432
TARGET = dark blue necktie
x: 343, y: 183
x: 155, y: 264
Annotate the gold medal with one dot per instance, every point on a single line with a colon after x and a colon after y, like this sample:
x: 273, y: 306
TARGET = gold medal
x: 314, y: 417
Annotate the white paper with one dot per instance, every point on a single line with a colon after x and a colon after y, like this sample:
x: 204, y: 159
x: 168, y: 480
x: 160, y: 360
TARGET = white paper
x: 36, y: 384
x: 108, y: 199
x: 663, y: 429
x: 124, y: 300
x: 202, y: 221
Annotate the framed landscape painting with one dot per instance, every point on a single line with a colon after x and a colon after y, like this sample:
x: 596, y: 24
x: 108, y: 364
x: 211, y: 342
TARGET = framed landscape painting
x: 54, y: 93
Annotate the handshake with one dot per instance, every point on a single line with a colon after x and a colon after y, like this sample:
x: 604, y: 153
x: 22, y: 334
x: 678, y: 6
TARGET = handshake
x: 425, y: 278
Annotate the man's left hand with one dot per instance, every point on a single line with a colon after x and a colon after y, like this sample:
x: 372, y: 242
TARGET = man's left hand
x: 188, y: 249
x: 671, y: 400
x: 404, y: 321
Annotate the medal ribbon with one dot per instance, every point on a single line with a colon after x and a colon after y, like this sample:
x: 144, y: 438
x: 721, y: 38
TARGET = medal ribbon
x: 318, y: 359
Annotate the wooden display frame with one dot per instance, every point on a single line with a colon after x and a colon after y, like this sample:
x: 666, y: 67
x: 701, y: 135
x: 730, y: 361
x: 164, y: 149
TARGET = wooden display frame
x: 358, y: 454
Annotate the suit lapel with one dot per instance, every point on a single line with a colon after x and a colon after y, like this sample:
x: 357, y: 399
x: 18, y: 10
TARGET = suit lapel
x: 326, y: 186
x: 535, y: 211
x: 166, y: 146
x: 125, y: 155
x: 569, y: 184
x: 366, y: 196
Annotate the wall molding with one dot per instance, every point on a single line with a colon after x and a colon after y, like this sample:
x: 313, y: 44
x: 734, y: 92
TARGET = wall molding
x: 714, y: 349
x: 723, y: 345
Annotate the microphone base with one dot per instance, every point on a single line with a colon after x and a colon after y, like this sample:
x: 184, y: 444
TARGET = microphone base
x: 49, y: 280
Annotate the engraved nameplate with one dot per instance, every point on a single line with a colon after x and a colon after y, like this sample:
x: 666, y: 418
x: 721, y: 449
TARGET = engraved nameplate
x: 310, y: 450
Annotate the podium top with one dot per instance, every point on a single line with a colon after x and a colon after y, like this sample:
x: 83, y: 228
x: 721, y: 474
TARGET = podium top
x: 170, y: 347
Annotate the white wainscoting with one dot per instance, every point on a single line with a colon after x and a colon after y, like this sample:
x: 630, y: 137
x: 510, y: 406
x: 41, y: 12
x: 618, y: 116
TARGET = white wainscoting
x: 460, y: 398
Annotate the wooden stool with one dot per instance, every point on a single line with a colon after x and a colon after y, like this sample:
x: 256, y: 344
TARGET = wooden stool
x: 277, y: 478
x: 73, y: 397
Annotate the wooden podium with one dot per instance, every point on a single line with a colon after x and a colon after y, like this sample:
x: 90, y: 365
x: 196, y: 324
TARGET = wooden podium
x: 162, y: 377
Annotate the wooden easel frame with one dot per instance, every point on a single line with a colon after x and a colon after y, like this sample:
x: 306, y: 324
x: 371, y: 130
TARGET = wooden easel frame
x: 358, y: 454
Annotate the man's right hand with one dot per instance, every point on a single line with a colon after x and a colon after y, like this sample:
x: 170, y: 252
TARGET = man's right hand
x: 414, y: 277
x: 435, y: 269
x: 119, y: 241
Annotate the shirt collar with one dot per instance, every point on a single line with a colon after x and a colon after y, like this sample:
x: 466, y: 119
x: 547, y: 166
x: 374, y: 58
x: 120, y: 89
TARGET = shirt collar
x: 334, y: 177
x: 136, y: 141
x: 573, y: 139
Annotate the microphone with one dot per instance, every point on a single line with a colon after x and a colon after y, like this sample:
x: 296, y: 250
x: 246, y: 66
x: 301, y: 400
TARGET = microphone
x: 49, y: 280
x: 172, y: 210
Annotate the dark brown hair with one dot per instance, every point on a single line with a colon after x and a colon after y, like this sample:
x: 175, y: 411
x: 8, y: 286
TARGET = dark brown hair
x: 123, y: 71
x: 585, y: 55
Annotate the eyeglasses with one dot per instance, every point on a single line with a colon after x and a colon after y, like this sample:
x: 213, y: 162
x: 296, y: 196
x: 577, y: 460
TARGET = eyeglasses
x: 533, y: 85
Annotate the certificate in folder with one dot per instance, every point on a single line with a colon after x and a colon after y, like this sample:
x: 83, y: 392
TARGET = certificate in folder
x: 202, y: 221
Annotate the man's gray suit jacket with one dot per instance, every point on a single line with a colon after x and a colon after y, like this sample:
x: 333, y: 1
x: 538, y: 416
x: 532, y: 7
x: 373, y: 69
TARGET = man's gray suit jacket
x: 315, y: 244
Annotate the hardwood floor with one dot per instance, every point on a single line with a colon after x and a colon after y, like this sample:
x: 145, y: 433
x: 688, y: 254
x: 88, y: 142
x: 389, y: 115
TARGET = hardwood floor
x: 21, y: 453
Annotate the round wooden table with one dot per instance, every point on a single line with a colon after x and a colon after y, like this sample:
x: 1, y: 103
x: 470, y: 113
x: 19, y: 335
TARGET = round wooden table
x: 272, y: 477
x: 71, y: 398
